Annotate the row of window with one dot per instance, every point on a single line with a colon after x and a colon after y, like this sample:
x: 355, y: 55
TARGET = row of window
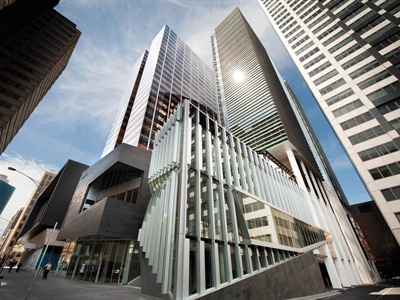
x: 347, y: 108
x: 332, y: 86
x: 347, y: 52
x: 356, y: 121
x: 389, y: 106
x: 364, y: 69
x: 334, y: 38
x: 361, y: 20
x: 340, y: 44
x: 395, y: 123
x: 374, y: 79
x: 355, y: 60
x: 325, y: 77
x: 304, y: 48
x: 366, y: 135
x: 386, y: 90
x: 378, y: 151
x: 320, y: 68
x: 385, y: 171
x: 380, y: 32
x: 314, y: 61
x: 301, y: 41
x: 316, y: 30
x: 340, y: 96
x: 307, y: 55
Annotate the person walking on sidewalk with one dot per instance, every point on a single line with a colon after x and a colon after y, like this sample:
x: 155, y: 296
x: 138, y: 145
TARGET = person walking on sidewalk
x: 19, y: 266
x: 12, y: 264
x: 46, y: 270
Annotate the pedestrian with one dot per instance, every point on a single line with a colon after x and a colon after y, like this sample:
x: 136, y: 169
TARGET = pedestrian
x: 19, y: 266
x: 46, y: 270
x: 12, y: 264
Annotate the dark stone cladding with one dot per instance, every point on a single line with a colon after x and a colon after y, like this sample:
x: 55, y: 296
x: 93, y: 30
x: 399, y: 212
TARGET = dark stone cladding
x: 53, y: 203
x: 294, y: 278
x: 109, y: 218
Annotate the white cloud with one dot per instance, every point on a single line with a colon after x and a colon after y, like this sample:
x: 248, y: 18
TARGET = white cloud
x: 24, y: 187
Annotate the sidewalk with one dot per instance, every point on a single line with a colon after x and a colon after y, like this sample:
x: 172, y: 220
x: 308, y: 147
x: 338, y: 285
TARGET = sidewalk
x: 58, y: 288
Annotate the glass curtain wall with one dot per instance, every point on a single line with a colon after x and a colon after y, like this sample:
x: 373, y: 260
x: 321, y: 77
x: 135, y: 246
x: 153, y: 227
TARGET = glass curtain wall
x: 115, y: 262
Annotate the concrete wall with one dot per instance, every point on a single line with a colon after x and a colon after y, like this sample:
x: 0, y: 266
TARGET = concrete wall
x: 298, y: 277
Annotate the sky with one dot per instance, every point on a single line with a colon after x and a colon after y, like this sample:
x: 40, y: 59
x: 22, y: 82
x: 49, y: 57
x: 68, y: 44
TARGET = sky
x: 74, y: 118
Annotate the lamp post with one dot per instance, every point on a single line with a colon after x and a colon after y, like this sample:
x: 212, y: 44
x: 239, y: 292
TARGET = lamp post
x: 15, y: 241
x: 15, y: 170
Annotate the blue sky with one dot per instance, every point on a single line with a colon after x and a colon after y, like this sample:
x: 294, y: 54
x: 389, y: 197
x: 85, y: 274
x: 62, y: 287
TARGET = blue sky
x: 74, y: 118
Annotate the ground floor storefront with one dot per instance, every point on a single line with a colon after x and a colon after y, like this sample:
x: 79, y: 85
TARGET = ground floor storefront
x: 107, y: 261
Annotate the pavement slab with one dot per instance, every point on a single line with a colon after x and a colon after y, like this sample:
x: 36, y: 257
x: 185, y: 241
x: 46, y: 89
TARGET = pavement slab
x: 59, y: 288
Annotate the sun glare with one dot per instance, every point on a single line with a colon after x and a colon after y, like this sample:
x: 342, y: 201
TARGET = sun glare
x: 238, y: 75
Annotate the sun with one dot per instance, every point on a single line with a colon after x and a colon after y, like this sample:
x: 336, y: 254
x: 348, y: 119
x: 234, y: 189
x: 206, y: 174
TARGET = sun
x: 238, y: 75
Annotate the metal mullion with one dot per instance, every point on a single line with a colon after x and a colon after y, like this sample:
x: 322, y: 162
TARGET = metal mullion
x: 246, y: 160
x: 233, y: 161
x: 240, y: 165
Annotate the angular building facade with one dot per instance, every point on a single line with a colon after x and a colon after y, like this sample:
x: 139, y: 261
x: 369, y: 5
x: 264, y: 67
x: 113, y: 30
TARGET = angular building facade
x: 161, y: 79
x: 34, y: 51
x: 108, y: 207
x: 348, y: 54
x: 225, y: 220
x: 276, y: 128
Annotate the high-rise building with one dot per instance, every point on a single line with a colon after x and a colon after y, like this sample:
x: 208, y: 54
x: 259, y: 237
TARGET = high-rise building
x: 6, y: 191
x: 36, y: 43
x: 163, y: 77
x: 111, y: 199
x: 275, y: 127
x: 348, y: 54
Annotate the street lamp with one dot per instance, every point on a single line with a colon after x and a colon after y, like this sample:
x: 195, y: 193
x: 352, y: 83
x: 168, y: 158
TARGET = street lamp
x: 15, y: 170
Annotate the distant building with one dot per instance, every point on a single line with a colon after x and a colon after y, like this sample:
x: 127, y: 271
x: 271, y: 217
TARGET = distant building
x: 12, y: 238
x: 348, y: 54
x: 40, y: 218
x: 6, y: 191
x: 36, y: 43
x: 377, y: 238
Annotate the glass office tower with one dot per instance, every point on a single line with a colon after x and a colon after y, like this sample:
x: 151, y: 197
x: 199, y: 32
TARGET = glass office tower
x: 164, y: 76
x: 274, y: 126
x: 348, y: 53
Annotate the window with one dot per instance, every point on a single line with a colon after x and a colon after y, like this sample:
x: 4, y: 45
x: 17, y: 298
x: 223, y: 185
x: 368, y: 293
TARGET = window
x: 398, y: 216
x: 347, y: 52
x: 366, y: 135
x: 385, y: 171
x: 395, y: 123
x: 395, y: 86
x: 374, y: 79
x: 325, y: 77
x: 332, y: 86
x: 340, y: 44
x: 347, y: 108
x: 364, y: 69
x: 378, y: 151
x: 314, y: 61
x: 320, y: 68
x: 389, y: 106
x: 356, y: 121
x: 391, y: 194
x: 342, y: 95
x: 307, y: 55
x: 355, y: 60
